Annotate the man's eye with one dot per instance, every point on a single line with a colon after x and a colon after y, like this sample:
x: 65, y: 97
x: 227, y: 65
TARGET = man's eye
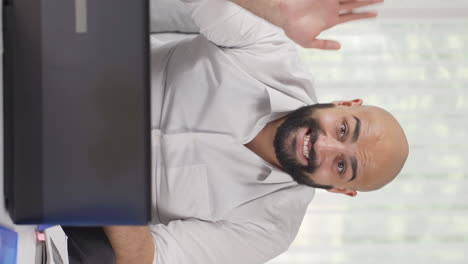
x: 343, y: 130
x: 341, y: 166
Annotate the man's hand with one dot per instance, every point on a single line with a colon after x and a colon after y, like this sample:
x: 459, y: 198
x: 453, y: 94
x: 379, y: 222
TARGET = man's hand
x: 304, y: 20
x: 131, y: 244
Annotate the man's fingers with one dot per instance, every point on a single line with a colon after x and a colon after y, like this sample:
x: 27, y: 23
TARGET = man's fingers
x: 323, y: 44
x: 348, y: 6
x: 356, y: 16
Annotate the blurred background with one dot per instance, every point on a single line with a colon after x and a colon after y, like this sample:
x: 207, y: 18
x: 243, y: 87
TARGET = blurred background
x: 412, y: 61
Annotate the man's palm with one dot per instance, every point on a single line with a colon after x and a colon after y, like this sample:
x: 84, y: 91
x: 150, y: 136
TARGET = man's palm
x: 304, y: 20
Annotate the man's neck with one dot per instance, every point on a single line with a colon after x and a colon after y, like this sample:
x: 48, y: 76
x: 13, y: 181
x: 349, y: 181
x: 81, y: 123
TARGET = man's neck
x: 262, y: 144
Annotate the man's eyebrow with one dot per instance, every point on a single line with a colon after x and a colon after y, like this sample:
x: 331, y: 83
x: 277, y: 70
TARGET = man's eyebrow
x: 357, y: 129
x: 354, y: 168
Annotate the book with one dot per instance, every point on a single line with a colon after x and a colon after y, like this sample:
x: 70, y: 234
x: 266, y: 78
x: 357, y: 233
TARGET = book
x: 8, y: 246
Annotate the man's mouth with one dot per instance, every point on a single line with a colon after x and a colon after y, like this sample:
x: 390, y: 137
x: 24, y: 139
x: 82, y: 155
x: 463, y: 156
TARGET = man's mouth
x: 303, y: 146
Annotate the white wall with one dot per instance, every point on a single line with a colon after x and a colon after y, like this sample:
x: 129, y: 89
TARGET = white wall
x: 418, y: 70
x: 427, y: 9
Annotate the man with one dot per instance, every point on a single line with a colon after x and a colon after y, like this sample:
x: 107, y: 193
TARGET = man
x: 239, y: 139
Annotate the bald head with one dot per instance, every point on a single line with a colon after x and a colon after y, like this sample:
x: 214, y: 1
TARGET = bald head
x: 344, y: 147
x: 386, y: 145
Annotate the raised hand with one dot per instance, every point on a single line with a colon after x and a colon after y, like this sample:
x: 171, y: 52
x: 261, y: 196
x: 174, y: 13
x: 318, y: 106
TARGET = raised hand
x: 304, y: 20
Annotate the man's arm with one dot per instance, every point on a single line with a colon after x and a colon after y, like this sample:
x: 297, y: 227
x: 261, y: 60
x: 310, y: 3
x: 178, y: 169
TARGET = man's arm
x: 304, y: 20
x: 131, y: 244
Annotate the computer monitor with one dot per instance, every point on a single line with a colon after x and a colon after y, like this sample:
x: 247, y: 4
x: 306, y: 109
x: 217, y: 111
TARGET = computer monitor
x: 77, y: 112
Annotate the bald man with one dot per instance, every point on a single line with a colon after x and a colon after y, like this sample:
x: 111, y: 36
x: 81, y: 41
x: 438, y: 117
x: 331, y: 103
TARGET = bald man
x: 240, y: 138
x: 343, y: 147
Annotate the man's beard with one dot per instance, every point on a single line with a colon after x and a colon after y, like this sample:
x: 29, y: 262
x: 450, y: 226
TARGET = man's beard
x: 285, y: 142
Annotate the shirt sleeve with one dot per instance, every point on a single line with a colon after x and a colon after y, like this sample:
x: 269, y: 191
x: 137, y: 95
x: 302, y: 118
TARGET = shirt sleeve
x: 229, y: 25
x: 260, y: 49
x: 195, y: 241
x: 253, y: 233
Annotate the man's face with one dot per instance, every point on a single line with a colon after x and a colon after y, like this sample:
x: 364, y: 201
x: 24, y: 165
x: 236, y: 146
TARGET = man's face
x: 294, y: 140
x: 344, y: 148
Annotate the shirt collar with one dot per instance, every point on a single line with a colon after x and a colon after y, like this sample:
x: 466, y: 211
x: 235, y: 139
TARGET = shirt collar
x: 282, y: 102
x: 276, y: 175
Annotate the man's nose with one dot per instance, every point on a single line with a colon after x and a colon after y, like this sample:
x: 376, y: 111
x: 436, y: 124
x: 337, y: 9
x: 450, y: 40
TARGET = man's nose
x: 326, y: 144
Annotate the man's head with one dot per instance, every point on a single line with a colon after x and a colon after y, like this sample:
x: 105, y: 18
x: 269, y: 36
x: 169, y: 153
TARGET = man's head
x: 344, y: 146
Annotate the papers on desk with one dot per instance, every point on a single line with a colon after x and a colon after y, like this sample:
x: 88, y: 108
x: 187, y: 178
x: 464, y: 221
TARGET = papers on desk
x: 8, y: 246
x: 45, y: 247
x: 55, y: 246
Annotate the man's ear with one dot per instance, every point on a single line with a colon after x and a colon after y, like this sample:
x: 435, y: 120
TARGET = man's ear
x: 348, y: 103
x: 345, y: 191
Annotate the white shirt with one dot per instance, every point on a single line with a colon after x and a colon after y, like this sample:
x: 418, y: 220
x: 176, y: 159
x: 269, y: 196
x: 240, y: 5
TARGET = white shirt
x: 215, y: 201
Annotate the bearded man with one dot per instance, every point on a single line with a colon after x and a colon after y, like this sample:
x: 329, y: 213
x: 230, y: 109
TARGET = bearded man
x: 239, y: 140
